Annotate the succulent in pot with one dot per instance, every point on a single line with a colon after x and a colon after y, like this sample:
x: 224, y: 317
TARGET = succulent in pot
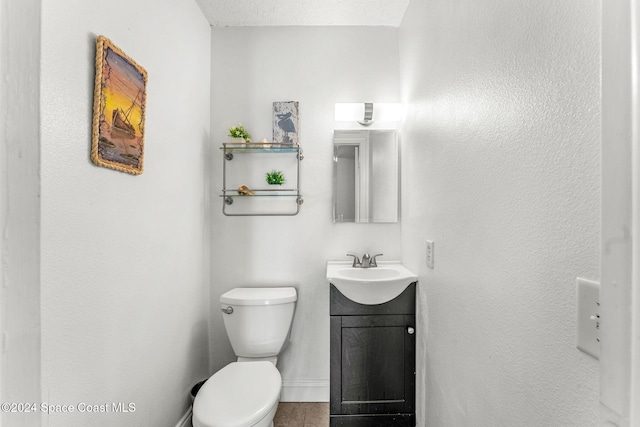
x: 275, y: 178
x: 239, y: 132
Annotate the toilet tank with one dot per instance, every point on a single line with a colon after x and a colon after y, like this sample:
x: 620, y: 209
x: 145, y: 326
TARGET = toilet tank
x: 259, y: 321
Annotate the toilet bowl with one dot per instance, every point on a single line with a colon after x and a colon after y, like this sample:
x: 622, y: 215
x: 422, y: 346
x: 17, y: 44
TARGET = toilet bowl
x: 246, y: 393
x: 242, y: 394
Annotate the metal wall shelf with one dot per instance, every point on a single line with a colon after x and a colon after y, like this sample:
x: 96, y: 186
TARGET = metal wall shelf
x: 230, y: 195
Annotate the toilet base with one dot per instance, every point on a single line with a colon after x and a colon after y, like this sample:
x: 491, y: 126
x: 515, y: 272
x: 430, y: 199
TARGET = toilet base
x: 260, y: 423
x: 238, y: 394
x: 267, y: 421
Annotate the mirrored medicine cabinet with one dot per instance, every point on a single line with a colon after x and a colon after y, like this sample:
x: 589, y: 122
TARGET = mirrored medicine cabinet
x: 365, y: 176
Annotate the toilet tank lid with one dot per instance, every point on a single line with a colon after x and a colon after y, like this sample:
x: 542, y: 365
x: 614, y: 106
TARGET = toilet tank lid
x: 259, y: 296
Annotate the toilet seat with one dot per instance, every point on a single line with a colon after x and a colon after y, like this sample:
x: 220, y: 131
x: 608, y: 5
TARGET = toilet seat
x: 238, y: 395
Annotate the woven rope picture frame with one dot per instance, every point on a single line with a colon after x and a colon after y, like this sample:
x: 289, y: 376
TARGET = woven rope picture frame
x: 119, y: 99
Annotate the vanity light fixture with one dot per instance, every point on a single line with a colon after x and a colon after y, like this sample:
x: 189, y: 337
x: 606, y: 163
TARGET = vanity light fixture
x: 368, y: 114
x: 365, y: 112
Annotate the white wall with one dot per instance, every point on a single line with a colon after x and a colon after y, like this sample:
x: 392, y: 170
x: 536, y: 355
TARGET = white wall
x: 501, y: 147
x: 317, y: 66
x: 19, y: 207
x: 620, y: 292
x: 125, y: 281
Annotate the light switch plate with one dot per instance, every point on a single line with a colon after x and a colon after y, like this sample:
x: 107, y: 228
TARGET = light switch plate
x: 588, y: 317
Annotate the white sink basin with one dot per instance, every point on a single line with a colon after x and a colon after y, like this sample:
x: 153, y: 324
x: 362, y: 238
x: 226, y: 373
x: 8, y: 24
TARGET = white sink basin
x: 370, y: 286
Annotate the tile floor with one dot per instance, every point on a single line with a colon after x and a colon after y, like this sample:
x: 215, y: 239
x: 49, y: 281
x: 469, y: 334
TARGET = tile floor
x: 302, y: 414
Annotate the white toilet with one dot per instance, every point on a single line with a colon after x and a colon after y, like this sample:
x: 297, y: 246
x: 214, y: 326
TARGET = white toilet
x: 246, y: 393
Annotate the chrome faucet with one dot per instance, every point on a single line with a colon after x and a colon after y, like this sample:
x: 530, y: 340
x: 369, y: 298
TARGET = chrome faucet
x: 367, y: 260
x: 373, y: 262
x: 356, y: 260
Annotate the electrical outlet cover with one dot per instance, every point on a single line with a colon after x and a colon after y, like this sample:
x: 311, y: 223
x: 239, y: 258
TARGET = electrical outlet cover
x: 588, y: 317
x: 430, y: 253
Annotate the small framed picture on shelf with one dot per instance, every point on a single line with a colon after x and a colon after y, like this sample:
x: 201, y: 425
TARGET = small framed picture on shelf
x: 286, y: 122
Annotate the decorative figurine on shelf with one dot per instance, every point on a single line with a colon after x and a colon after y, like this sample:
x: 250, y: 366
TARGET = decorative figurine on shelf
x: 265, y: 143
x: 239, y: 132
x: 243, y: 190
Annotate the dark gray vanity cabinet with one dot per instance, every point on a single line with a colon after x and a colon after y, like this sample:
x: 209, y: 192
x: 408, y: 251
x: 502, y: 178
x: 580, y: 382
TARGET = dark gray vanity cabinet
x: 373, y: 361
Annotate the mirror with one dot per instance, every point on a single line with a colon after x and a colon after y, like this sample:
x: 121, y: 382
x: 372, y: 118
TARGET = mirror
x: 365, y: 176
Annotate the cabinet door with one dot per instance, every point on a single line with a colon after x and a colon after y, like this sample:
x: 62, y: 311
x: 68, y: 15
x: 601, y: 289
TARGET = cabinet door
x: 372, y: 364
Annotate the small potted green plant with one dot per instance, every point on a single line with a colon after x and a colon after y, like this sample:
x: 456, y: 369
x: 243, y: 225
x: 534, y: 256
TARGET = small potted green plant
x: 275, y: 178
x: 239, y: 133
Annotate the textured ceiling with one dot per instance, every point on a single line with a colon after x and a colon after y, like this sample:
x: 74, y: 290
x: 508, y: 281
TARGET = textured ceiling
x: 233, y: 13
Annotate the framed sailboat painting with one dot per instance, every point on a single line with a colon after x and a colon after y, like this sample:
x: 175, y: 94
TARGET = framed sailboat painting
x: 118, y: 110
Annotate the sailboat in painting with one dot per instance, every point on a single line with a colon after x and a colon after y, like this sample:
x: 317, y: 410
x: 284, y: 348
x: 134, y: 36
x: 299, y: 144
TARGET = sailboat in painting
x: 120, y: 124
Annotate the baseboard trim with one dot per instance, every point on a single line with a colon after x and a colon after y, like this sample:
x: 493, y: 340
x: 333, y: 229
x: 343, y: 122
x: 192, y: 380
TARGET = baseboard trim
x: 185, y: 421
x: 305, y: 390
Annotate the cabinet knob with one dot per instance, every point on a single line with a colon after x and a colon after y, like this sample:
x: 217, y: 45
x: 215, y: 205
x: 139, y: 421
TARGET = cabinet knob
x: 411, y: 330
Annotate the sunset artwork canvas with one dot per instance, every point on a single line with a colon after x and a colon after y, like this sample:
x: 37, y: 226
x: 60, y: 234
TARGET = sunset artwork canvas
x: 118, y: 110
